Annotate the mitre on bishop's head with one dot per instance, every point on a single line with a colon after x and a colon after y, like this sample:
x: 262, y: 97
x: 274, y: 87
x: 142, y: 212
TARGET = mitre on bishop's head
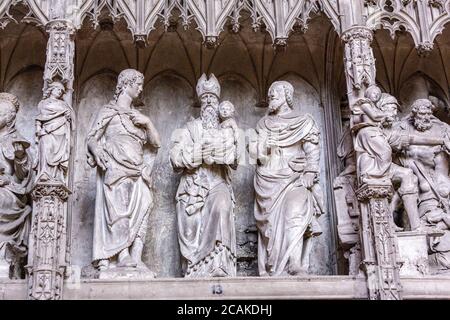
x: 205, y: 85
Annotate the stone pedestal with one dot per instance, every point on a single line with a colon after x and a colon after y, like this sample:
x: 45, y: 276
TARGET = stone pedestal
x: 139, y: 273
x: 4, y: 269
x: 47, y: 243
x: 413, y: 250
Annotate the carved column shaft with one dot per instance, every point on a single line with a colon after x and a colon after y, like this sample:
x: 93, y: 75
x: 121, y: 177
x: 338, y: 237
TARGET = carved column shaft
x: 47, y: 259
x: 378, y: 241
x: 46, y: 263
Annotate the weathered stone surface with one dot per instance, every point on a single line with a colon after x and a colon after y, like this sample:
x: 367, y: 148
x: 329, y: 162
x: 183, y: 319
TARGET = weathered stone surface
x: 329, y: 53
x: 413, y: 250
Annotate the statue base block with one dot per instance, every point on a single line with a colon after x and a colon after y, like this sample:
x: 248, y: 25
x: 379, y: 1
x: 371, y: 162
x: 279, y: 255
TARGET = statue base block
x: 139, y: 273
x: 4, y: 270
x: 413, y: 249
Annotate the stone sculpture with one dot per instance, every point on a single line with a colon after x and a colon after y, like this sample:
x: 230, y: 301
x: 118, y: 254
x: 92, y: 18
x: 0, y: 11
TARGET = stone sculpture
x: 428, y: 158
x: 124, y: 197
x: 53, y: 130
x: 203, y: 152
x: 288, y: 196
x: 347, y: 205
x: 376, y: 140
x: 15, y: 182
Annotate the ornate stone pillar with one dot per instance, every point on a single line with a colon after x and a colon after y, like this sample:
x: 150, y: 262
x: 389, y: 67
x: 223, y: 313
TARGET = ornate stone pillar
x: 47, y: 260
x: 380, y: 258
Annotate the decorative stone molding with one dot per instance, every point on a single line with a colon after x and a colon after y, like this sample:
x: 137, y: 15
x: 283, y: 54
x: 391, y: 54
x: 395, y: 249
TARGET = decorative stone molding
x: 359, y: 59
x: 279, y: 17
x: 5, y: 16
x: 367, y: 192
x: 60, y: 52
x: 423, y: 19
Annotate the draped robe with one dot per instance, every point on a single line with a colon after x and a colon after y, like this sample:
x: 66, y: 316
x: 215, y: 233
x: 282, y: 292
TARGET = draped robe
x: 15, y: 212
x: 124, y: 198
x: 284, y: 208
x: 205, y: 201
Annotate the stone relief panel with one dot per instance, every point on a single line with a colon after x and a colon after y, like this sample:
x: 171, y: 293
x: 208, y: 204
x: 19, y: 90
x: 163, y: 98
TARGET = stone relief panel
x: 171, y: 65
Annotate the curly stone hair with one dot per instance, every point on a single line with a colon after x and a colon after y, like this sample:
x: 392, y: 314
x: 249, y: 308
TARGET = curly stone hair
x: 51, y: 86
x: 419, y: 103
x: 288, y: 91
x: 12, y: 99
x: 126, y: 78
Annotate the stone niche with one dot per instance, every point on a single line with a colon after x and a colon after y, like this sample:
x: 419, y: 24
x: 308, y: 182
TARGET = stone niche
x: 245, y: 64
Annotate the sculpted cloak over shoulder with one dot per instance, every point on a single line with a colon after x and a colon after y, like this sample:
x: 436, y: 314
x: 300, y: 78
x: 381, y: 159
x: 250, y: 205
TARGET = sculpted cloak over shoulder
x: 288, y: 196
x: 204, y: 151
x: 15, y: 183
x: 53, y: 131
x: 124, y: 198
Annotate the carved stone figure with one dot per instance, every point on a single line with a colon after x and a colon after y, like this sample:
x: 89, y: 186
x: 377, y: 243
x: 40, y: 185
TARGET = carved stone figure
x: 15, y: 178
x: 288, y: 196
x: 347, y: 205
x: 53, y: 130
x: 428, y: 158
x: 124, y: 198
x: 203, y: 152
x: 227, y: 121
x: 375, y: 154
x: 375, y: 141
x: 402, y: 178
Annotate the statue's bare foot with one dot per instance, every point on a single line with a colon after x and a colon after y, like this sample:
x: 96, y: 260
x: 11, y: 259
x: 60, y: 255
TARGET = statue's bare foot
x: 103, y: 264
x: 397, y: 228
x: 298, y: 271
x: 125, y: 260
x: 219, y: 272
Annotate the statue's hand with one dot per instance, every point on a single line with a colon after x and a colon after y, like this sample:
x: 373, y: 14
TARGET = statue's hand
x: 68, y: 115
x: 101, y: 158
x: 140, y: 120
x: 19, y: 150
x: 4, y: 180
x: 308, y: 179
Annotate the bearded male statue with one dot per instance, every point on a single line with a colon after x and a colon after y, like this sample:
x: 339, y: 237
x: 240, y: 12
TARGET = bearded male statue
x: 204, y: 151
x: 116, y: 145
x: 288, y: 196
x: 430, y: 163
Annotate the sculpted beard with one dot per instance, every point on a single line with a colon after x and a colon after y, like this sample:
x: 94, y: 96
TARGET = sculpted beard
x: 210, y: 117
x: 273, y: 106
x: 422, y: 124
